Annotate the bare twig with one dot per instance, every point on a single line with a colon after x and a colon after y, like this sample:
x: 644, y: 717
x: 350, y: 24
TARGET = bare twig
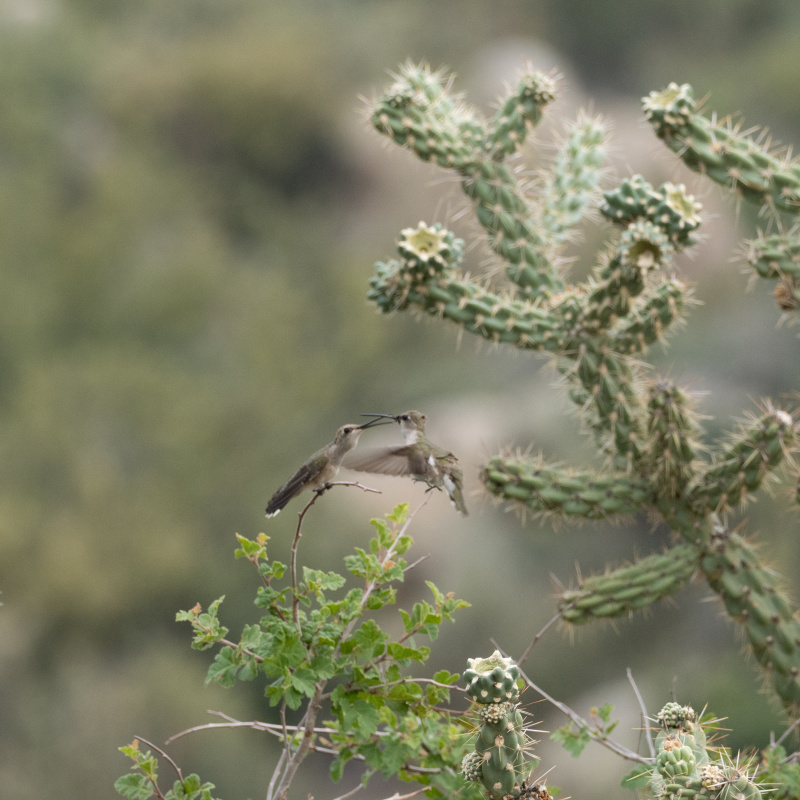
x: 353, y: 791
x: 593, y: 733
x: 787, y: 732
x: 645, y: 718
x: 164, y: 756
x: 538, y: 636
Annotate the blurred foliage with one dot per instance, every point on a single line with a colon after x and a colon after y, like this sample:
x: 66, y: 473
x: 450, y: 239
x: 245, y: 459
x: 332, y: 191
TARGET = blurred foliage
x: 190, y: 212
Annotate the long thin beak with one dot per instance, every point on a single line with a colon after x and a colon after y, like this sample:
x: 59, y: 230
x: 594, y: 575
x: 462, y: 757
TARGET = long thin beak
x: 376, y: 421
x: 389, y: 416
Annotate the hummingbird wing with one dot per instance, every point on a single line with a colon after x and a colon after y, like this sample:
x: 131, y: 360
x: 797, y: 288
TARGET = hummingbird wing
x: 405, y: 460
x: 305, y: 475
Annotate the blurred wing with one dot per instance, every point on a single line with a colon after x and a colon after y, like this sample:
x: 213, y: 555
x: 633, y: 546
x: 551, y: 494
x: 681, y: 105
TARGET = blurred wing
x: 386, y: 461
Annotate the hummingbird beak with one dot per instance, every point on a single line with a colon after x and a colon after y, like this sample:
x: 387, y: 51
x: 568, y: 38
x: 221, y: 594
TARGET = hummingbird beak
x: 376, y: 421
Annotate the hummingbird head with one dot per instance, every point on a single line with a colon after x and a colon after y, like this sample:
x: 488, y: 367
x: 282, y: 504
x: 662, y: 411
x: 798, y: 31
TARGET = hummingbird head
x: 351, y: 432
x: 412, y: 424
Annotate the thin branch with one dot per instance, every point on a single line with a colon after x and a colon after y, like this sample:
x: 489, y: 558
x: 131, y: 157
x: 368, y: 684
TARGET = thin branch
x: 417, y: 562
x: 356, y: 484
x: 787, y: 731
x: 353, y: 791
x: 277, y: 730
x: 295, y: 542
x: 164, y: 756
x: 539, y: 635
x: 397, y: 796
x: 594, y: 734
x: 645, y: 718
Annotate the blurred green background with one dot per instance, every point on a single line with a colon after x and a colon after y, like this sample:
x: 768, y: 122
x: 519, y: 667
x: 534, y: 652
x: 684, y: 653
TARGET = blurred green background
x: 190, y: 207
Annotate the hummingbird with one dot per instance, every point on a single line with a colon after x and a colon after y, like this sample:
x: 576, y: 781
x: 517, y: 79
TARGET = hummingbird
x: 319, y: 469
x: 419, y: 457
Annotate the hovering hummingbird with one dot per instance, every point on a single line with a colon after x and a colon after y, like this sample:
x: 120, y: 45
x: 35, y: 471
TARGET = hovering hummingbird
x: 419, y: 457
x: 319, y: 469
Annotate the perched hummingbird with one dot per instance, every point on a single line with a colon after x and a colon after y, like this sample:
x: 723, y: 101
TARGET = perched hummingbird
x: 319, y: 469
x: 419, y: 457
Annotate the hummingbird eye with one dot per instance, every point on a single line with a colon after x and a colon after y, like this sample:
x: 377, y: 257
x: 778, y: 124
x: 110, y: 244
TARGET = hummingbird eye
x: 348, y: 430
x: 404, y: 417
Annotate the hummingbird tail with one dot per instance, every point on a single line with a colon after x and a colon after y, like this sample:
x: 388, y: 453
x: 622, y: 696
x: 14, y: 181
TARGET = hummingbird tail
x: 455, y: 494
x: 278, y: 502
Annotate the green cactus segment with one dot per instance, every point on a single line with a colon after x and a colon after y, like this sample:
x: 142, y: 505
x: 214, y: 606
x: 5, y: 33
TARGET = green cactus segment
x: 492, y: 680
x: 721, y: 152
x: 603, y: 385
x: 549, y: 490
x: 743, y: 466
x: 672, y: 438
x: 669, y: 207
x: 751, y: 597
x: 648, y: 321
x: 630, y: 588
x: 643, y: 248
x: 483, y: 313
x: 498, y: 759
x: 418, y: 113
x: 684, y: 768
x: 507, y: 218
x: 573, y: 183
x: 778, y: 257
x: 520, y: 110
x: 673, y: 715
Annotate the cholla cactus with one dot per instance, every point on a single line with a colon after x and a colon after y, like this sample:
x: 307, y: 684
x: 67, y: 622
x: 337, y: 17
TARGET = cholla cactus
x: 597, y: 332
x: 498, y: 759
x: 684, y: 768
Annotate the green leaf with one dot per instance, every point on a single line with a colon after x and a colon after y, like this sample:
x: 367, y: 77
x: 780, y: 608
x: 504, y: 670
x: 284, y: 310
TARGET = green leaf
x: 572, y: 741
x: 304, y: 681
x: 400, y: 652
x: 230, y: 665
x: 134, y: 786
x: 253, y: 551
x: 443, y: 676
x: 370, y: 640
x: 399, y: 514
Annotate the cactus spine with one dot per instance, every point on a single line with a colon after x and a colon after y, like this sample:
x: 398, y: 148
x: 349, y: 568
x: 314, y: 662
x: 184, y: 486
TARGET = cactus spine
x: 597, y: 331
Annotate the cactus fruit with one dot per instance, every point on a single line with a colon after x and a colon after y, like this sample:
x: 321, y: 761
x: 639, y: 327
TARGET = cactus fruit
x: 498, y: 758
x: 597, y: 331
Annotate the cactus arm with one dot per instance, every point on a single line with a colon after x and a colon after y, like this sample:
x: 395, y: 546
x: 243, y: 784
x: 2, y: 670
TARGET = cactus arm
x: 632, y: 587
x: 721, y: 152
x: 778, y: 257
x: 742, y: 467
x: 519, y: 111
x: 752, y: 598
x: 549, y: 490
x: 672, y: 430
x: 570, y: 188
x: 648, y: 321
